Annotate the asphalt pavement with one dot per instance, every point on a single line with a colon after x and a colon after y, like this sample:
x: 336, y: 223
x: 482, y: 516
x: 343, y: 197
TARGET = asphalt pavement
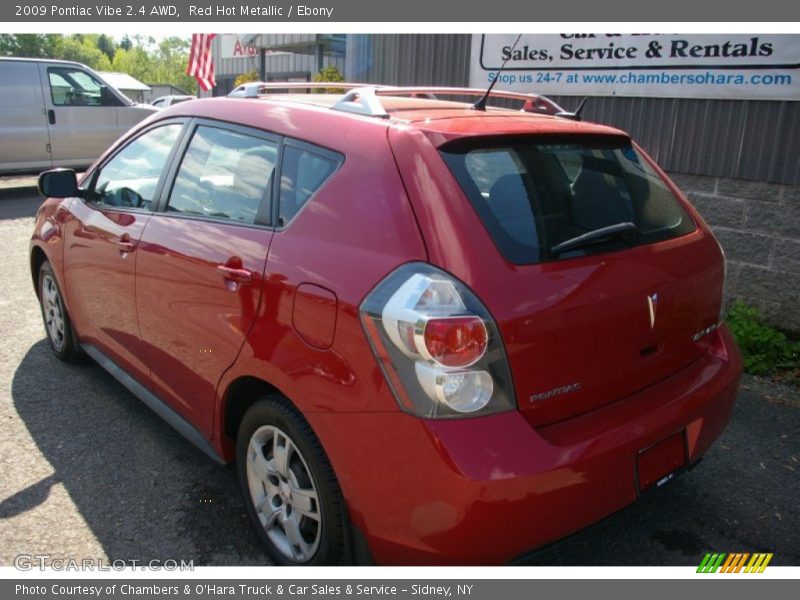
x: 90, y: 472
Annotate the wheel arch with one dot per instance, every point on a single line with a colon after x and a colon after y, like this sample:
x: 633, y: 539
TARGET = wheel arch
x: 37, y: 258
x: 241, y: 394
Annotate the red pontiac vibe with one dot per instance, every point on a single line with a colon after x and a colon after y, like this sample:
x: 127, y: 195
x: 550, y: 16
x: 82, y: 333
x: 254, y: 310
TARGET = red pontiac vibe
x: 424, y: 333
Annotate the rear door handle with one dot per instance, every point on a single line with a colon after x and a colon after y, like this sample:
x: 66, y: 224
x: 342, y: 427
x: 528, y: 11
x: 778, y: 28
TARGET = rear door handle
x: 236, y: 275
x: 126, y: 246
x: 51, y: 117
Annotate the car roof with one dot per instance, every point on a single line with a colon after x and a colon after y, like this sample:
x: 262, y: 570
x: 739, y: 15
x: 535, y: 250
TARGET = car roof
x: 54, y: 61
x: 452, y: 118
x: 443, y: 120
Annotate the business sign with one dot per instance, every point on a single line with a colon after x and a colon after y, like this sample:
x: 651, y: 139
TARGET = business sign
x: 232, y: 46
x: 738, y: 66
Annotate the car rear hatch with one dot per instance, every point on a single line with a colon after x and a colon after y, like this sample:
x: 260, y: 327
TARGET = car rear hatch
x: 585, y: 320
x: 587, y: 335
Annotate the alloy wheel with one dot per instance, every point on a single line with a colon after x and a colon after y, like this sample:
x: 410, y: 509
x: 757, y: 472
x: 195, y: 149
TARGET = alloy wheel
x: 284, y: 494
x: 53, y: 311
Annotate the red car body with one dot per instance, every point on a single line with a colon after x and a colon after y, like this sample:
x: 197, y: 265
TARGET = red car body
x: 146, y: 290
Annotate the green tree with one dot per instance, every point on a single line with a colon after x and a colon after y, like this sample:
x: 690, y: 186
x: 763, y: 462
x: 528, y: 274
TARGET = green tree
x: 135, y: 62
x: 31, y: 45
x: 83, y: 49
x: 172, y: 57
x: 151, y: 63
x: 106, y: 45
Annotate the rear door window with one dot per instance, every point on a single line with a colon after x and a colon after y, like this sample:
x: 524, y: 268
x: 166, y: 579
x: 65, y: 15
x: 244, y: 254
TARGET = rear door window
x: 224, y: 175
x: 534, y: 195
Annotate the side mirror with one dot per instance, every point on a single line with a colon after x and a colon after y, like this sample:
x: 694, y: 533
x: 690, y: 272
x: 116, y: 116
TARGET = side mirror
x: 58, y: 183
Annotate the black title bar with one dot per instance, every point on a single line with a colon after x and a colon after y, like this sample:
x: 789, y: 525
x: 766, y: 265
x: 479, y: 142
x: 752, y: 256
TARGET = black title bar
x: 442, y: 11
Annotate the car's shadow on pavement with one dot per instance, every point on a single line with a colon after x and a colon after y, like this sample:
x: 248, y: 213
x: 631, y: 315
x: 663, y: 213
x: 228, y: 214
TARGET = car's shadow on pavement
x: 144, y: 491
x: 148, y: 494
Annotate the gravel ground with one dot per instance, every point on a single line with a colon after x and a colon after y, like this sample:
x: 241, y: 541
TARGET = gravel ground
x: 89, y: 471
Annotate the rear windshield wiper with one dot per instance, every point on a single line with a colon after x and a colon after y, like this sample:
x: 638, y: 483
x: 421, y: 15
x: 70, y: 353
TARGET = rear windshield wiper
x: 612, y: 231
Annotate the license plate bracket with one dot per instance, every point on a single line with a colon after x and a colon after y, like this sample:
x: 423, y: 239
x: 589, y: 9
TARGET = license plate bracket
x: 661, y: 462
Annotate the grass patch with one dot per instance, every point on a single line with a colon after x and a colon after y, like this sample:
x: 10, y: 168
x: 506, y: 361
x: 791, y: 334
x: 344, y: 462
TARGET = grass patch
x: 765, y: 350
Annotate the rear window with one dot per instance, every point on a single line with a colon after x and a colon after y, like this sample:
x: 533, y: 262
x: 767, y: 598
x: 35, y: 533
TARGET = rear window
x: 534, y: 195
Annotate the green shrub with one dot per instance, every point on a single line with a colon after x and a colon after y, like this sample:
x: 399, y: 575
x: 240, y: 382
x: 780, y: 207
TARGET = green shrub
x: 245, y: 78
x: 329, y: 74
x: 765, y: 350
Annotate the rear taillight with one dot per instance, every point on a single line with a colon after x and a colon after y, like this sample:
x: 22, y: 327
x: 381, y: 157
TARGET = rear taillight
x: 437, y: 345
x: 455, y: 341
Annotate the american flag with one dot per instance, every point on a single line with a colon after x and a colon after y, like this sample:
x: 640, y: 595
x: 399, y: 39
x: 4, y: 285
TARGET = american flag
x: 200, y: 63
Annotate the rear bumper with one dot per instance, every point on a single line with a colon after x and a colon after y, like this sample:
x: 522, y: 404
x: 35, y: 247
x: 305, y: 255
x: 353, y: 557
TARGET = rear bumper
x: 487, y: 490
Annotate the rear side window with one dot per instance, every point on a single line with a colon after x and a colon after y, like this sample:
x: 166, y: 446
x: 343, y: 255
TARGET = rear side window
x: 302, y: 173
x: 224, y: 175
x: 535, y: 195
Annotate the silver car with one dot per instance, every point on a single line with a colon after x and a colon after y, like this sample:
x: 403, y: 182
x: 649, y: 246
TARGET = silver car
x: 56, y: 113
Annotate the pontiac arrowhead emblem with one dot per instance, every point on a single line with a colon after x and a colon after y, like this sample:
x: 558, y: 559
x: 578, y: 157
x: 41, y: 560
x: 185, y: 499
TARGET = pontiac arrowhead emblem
x: 652, y: 304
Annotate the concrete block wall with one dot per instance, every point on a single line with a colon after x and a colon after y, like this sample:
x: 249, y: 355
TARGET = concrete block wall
x: 758, y: 225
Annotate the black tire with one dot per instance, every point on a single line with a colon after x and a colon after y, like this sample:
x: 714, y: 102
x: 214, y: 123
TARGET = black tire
x: 307, y: 470
x: 62, y: 339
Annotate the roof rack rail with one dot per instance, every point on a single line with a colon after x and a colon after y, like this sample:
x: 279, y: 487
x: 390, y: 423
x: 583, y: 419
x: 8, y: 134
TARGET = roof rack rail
x: 265, y: 89
x: 362, y: 101
x: 532, y: 102
x: 363, y: 98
